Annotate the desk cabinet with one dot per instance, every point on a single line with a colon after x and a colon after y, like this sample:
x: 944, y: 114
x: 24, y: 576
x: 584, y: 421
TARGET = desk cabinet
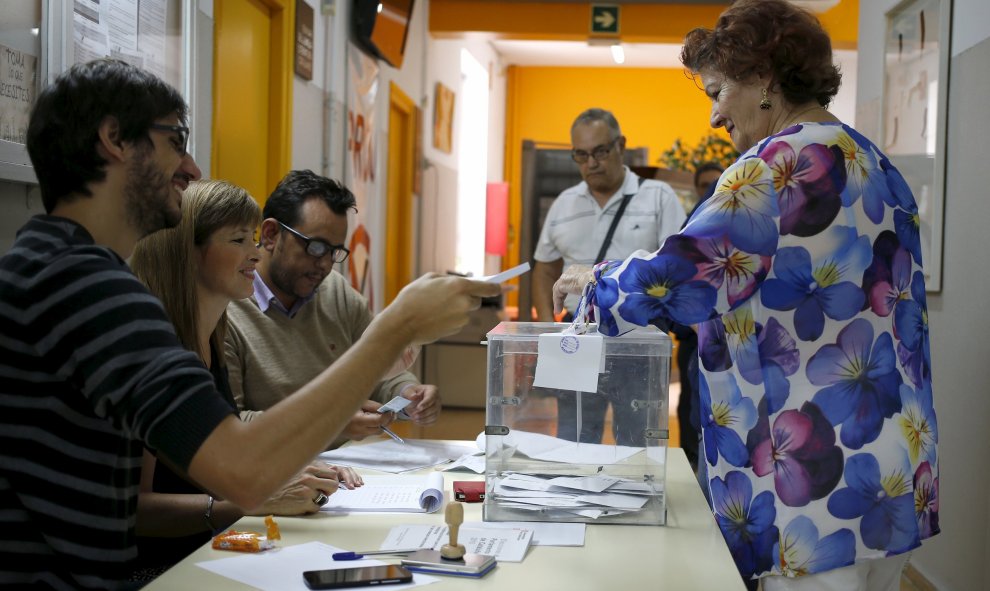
x: 457, y: 364
x: 458, y: 371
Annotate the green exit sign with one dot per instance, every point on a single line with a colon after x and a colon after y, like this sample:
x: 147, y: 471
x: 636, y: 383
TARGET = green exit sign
x: 604, y: 19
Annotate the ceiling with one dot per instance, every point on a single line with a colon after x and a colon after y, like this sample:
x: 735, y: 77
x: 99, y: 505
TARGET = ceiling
x: 578, y: 53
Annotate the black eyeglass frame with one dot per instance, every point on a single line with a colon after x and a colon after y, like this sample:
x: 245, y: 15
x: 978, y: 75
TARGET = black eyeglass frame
x: 599, y: 153
x: 326, y: 247
x: 182, y: 130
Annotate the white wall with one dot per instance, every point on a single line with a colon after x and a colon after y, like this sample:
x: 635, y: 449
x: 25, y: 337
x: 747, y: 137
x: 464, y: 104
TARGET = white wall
x: 18, y: 202
x: 439, y: 200
x: 308, y: 117
x: 959, y: 558
x: 410, y: 79
x: 427, y: 61
x: 843, y: 105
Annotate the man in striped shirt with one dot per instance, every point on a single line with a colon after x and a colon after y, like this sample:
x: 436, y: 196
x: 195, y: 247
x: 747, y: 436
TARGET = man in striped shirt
x: 91, y: 371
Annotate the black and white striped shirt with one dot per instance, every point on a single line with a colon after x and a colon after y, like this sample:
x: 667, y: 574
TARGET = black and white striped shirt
x: 90, y: 372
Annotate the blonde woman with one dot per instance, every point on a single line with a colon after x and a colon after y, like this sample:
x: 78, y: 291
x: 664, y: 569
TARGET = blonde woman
x: 196, y: 269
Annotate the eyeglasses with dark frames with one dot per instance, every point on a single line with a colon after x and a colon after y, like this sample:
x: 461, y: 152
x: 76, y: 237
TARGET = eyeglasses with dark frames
x: 599, y: 153
x: 180, y: 141
x: 319, y: 248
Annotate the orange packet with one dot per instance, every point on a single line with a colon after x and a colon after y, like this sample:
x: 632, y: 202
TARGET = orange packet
x: 273, y: 532
x: 242, y: 541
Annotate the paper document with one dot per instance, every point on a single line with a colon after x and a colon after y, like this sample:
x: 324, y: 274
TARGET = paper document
x: 505, y: 544
x: 588, y: 496
x: 552, y: 449
x: 395, y: 405
x: 391, y: 456
x: 507, y: 274
x: 569, y: 362
x: 468, y: 463
x: 281, y: 569
x: 544, y: 533
x: 406, y: 493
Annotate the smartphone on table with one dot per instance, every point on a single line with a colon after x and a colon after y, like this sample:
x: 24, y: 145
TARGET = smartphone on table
x: 360, y: 576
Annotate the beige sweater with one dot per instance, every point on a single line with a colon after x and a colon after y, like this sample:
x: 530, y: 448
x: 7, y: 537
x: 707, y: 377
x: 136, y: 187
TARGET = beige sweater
x: 270, y: 356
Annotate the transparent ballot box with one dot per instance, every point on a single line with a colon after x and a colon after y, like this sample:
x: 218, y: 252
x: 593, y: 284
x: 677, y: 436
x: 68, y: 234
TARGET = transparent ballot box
x: 538, y: 467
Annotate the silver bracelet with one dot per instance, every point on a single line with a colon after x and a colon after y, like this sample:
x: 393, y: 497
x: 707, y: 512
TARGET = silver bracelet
x: 209, y: 513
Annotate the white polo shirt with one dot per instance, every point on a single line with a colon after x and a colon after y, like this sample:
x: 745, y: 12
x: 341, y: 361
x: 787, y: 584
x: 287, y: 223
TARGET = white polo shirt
x: 576, y: 225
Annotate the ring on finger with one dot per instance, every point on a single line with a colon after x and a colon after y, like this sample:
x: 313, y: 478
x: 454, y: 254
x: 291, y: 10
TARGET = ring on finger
x: 321, y: 499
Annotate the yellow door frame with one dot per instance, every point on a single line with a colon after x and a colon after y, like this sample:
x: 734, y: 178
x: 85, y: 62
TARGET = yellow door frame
x: 282, y: 14
x: 399, y: 192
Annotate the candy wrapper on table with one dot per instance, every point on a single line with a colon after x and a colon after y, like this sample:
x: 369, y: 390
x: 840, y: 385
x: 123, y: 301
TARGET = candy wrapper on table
x: 249, y: 541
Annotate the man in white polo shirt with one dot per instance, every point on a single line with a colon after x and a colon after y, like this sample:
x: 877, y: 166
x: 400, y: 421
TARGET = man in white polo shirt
x: 580, y: 229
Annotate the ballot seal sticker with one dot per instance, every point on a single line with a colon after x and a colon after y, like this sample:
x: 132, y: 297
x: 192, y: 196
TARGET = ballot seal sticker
x: 569, y: 344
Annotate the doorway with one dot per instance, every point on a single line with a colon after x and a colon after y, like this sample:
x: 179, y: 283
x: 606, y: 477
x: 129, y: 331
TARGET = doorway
x: 399, y: 211
x: 252, y: 93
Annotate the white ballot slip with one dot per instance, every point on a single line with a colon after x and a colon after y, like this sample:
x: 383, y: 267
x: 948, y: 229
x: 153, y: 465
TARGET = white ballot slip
x: 569, y: 361
x: 507, y: 274
x: 391, y: 494
x: 391, y: 456
x: 395, y: 405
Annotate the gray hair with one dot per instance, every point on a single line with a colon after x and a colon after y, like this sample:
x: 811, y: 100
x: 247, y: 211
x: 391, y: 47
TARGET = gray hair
x: 595, y: 114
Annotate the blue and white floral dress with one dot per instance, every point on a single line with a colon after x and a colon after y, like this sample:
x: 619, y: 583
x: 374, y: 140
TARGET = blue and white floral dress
x: 803, y: 273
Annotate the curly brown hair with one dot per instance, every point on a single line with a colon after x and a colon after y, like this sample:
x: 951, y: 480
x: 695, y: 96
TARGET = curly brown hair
x: 768, y: 37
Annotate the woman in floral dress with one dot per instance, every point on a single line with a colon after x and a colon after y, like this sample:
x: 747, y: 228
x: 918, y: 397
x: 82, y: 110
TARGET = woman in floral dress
x: 803, y: 277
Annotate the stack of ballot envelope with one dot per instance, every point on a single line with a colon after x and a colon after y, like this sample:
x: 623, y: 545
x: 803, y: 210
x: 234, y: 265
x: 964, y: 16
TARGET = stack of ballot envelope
x: 587, y: 496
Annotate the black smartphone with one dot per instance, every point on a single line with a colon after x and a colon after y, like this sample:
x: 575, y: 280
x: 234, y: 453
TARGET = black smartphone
x: 360, y: 576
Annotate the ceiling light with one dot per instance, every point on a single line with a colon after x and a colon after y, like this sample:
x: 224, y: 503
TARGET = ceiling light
x: 618, y: 55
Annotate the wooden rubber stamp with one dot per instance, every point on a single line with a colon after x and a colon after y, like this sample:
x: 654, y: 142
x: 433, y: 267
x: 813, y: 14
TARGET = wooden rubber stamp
x: 454, y: 516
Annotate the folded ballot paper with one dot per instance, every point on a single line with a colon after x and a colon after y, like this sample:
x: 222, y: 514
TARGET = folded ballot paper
x: 391, y: 494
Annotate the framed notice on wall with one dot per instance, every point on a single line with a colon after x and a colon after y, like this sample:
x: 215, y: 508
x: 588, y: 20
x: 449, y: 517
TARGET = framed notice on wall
x: 21, y: 72
x: 443, y: 119
x: 147, y: 34
x: 304, y: 40
x: 18, y: 85
x: 913, y: 114
x: 39, y: 40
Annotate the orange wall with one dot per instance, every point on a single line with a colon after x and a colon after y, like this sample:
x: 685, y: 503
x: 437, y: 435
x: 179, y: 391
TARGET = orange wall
x: 653, y: 107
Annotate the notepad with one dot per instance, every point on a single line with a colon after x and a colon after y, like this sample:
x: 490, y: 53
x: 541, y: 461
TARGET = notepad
x: 391, y: 494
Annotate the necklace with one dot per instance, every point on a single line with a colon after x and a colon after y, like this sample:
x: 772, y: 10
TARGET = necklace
x: 797, y: 118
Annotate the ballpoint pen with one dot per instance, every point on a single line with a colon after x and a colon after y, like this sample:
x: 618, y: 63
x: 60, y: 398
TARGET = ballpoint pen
x: 391, y: 434
x: 360, y: 555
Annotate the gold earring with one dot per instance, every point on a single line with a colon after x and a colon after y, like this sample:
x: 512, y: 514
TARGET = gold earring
x: 765, y: 104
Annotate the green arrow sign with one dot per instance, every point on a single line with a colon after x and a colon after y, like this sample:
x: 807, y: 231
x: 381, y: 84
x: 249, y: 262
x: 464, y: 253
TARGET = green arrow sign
x: 604, y: 19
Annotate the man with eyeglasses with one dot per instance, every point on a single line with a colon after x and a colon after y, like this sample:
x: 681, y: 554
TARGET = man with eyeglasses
x: 91, y: 370
x: 303, y: 315
x: 579, y: 229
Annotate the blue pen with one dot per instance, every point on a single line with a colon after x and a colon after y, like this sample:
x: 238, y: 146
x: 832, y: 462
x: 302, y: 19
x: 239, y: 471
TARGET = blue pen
x: 391, y: 434
x: 360, y: 555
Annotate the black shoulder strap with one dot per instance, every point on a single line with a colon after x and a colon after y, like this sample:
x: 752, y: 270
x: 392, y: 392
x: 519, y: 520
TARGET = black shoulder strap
x: 615, y: 222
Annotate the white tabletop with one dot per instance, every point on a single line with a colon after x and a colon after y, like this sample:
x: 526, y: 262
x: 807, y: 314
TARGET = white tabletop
x: 687, y: 553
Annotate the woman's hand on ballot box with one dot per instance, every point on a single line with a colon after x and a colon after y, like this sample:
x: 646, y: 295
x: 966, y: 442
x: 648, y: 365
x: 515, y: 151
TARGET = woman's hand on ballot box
x: 571, y: 281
